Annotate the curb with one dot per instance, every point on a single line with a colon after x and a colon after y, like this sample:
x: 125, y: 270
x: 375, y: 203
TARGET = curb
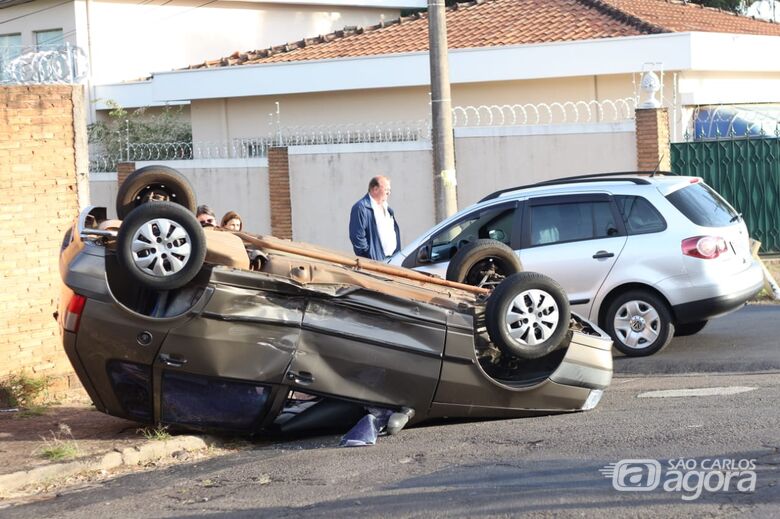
x: 129, y: 456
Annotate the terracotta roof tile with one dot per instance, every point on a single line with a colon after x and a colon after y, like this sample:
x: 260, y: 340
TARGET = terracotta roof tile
x: 677, y: 16
x: 492, y: 23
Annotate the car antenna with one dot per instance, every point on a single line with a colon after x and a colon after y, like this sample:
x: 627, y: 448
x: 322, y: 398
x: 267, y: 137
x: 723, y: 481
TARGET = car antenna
x: 658, y: 165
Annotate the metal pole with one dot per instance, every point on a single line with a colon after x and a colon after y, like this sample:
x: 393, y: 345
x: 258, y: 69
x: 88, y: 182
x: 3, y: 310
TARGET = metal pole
x: 444, y: 178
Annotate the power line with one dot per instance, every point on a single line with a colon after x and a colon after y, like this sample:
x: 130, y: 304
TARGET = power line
x: 34, y: 12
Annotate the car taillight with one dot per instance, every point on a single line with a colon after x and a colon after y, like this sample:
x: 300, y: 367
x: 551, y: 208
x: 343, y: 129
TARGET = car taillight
x: 704, y: 247
x: 72, y: 318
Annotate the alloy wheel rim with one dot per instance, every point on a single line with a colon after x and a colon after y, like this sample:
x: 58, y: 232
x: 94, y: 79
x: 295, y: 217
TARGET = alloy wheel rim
x: 637, y: 324
x: 161, y: 247
x: 532, y: 317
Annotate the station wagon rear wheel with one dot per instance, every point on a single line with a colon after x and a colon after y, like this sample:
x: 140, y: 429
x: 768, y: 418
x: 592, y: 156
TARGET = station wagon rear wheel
x: 528, y: 315
x: 161, y: 245
x: 640, y: 323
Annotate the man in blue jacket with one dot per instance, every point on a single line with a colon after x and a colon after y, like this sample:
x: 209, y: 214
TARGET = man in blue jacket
x: 373, y: 230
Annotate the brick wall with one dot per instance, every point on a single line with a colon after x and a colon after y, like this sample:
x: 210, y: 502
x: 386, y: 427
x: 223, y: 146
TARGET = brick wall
x: 652, y: 139
x: 39, y: 194
x: 123, y: 170
x: 279, y: 192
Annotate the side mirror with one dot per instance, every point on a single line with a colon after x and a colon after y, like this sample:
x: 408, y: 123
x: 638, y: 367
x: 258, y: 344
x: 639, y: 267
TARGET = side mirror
x: 497, y: 234
x: 424, y: 253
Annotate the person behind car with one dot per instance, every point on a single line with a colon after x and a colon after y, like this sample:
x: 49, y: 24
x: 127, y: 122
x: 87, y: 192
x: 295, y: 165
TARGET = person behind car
x: 373, y: 229
x: 232, y: 221
x: 205, y: 216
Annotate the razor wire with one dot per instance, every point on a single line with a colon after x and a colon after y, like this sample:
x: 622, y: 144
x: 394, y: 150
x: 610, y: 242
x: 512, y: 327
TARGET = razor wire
x: 257, y: 147
x: 59, y: 64
x: 593, y: 111
x: 354, y: 133
x: 358, y: 133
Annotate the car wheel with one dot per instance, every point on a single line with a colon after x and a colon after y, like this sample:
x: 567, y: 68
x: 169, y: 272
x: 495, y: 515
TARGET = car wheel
x: 483, y: 263
x: 527, y: 315
x: 640, y: 323
x: 161, y: 245
x: 681, y: 330
x: 159, y: 183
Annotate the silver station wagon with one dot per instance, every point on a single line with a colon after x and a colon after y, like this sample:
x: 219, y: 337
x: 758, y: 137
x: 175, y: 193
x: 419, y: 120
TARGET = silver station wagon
x: 646, y: 256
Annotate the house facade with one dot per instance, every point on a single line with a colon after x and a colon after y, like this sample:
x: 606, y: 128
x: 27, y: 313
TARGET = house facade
x: 502, y: 52
x: 123, y: 40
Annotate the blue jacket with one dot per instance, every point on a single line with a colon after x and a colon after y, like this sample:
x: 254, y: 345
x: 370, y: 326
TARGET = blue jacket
x: 363, y: 232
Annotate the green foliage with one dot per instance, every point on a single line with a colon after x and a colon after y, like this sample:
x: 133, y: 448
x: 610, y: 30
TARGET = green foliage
x: 736, y: 6
x: 61, y: 446
x: 155, y: 433
x: 21, y: 390
x: 139, y: 126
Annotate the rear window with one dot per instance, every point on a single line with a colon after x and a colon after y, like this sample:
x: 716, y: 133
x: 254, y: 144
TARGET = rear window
x: 703, y: 206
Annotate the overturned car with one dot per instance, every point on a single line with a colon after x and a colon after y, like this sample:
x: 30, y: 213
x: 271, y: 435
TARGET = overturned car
x: 166, y: 322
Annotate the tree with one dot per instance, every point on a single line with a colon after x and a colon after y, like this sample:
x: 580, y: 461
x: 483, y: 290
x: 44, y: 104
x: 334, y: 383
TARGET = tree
x: 736, y: 6
x: 167, y: 132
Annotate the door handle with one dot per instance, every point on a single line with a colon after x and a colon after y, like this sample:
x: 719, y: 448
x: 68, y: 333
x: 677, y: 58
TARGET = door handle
x: 603, y: 254
x: 304, y: 378
x: 173, y: 361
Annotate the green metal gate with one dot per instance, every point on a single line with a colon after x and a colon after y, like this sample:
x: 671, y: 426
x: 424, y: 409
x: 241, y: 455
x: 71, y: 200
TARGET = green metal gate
x: 746, y: 171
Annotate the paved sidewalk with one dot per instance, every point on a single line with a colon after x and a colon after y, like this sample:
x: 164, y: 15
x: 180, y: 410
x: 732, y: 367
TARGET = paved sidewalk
x: 103, y: 444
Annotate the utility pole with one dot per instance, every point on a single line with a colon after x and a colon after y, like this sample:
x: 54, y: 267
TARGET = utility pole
x: 444, y: 179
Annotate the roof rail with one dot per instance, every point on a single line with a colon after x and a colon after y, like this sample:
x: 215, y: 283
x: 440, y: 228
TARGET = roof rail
x: 597, y: 177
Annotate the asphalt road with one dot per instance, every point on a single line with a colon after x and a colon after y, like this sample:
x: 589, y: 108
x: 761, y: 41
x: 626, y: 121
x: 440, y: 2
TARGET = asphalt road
x: 540, y: 467
x: 747, y: 340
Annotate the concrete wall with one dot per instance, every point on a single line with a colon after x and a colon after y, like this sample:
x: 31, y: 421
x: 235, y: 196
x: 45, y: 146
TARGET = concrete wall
x: 39, y: 189
x: 241, y: 117
x: 326, y: 180
x: 228, y: 185
x: 489, y: 159
x: 102, y: 191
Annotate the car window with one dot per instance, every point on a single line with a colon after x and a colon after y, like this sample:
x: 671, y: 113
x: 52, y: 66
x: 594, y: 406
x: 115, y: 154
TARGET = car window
x: 493, y: 223
x: 563, y: 222
x: 639, y: 215
x: 702, y: 205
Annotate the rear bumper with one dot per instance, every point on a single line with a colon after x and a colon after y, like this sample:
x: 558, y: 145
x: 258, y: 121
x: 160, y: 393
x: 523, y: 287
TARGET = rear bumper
x: 704, y: 309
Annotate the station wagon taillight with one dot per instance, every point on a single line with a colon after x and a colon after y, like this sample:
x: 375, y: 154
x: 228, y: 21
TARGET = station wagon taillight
x: 72, y: 318
x: 704, y: 247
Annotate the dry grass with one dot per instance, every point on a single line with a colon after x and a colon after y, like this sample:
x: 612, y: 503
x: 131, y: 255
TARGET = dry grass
x: 61, y: 446
x: 773, y: 266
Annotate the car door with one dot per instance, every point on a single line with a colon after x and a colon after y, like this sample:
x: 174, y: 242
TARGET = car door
x: 224, y: 368
x: 575, y: 239
x: 371, y: 347
x: 496, y: 222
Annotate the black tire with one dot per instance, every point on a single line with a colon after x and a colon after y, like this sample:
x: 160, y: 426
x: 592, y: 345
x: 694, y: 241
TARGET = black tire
x: 681, y: 330
x: 543, y: 310
x: 154, y: 266
x: 653, y: 328
x: 159, y: 183
x: 473, y: 263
